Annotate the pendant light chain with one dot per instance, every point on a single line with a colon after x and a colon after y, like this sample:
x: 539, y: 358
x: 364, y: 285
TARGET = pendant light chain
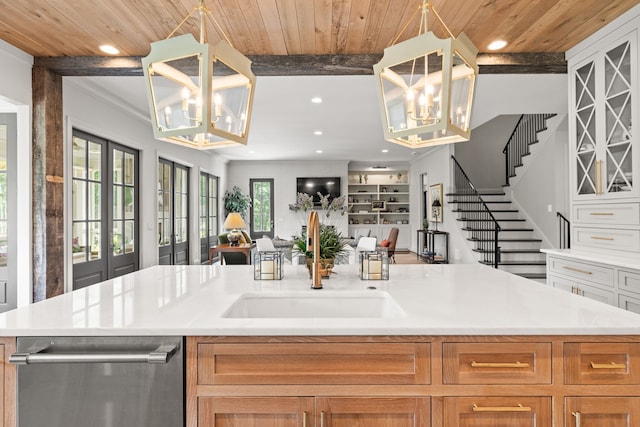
x: 203, y: 10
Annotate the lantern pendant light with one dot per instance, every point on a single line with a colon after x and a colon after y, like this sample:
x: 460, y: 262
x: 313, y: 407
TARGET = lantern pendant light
x: 199, y: 95
x: 425, y: 87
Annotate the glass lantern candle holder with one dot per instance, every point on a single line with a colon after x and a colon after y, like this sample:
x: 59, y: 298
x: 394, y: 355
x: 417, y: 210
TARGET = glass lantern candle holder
x: 267, y: 265
x: 374, y: 265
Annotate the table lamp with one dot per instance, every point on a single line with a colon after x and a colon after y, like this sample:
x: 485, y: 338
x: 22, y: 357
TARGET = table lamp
x: 234, y: 222
x: 435, y: 205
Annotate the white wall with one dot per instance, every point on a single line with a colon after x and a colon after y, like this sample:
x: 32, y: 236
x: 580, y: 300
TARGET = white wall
x: 15, y: 96
x: 83, y: 110
x: 284, y: 174
x: 542, y: 186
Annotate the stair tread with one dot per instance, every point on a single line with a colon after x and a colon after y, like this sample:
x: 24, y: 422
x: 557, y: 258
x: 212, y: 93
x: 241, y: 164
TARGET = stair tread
x: 501, y: 230
x: 532, y: 275
x: 524, y: 239
x: 510, y: 251
x: 475, y: 201
x: 516, y: 262
x: 492, y: 210
x: 488, y: 193
x: 497, y: 219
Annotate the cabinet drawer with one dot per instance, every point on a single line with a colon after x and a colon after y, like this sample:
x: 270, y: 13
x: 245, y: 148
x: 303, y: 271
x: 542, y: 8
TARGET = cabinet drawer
x: 582, y: 271
x: 612, y: 214
x: 602, y: 411
x: 496, y: 363
x: 602, y: 363
x: 583, y: 289
x: 512, y: 411
x: 629, y: 303
x: 629, y: 281
x: 607, y: 238
x: 314, y: 363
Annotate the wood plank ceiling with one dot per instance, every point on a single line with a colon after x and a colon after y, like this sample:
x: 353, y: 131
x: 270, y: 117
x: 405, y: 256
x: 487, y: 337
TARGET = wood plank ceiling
x: 281, y: 29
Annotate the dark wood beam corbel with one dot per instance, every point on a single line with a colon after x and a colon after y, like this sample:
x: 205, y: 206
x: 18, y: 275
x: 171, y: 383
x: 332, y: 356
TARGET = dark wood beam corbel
x: 297, y: 65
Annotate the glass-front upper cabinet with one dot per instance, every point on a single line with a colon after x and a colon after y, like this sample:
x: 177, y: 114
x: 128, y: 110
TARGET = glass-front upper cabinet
x: 604, y: 97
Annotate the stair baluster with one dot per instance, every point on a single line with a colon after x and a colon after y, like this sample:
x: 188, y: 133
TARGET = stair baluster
x: 524, y: 134
x: 488, y: 230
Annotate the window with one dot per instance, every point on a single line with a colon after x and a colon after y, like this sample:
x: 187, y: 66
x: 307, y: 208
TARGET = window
x: 4, y: 217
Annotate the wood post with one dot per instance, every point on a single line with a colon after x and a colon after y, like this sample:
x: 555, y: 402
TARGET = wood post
x: 48, y: 185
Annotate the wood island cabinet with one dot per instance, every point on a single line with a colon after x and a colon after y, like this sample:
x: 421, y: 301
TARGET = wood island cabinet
x: 8, y: 378
x: 414, y: 381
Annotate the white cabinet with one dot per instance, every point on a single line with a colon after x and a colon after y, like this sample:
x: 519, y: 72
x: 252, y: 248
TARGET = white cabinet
x: 379, y: 201
x: 605, y: 143
x: 609, y: 281
x: 603, y: 105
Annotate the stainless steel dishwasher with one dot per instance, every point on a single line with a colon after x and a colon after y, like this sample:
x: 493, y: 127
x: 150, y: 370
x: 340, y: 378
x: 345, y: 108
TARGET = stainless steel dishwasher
x: 100, y: 381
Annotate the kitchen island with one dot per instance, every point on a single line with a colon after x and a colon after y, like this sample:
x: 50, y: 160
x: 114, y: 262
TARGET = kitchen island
x: 445, y: 345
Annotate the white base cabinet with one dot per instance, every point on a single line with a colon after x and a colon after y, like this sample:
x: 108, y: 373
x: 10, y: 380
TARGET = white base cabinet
x: 610, y: 281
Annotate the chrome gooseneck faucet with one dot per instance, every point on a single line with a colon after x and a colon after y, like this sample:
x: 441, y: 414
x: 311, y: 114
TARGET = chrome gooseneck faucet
x: 313, y: 243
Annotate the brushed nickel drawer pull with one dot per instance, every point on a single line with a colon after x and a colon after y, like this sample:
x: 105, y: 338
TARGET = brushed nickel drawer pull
x: 602, y: 213
x: 516, y: 364
x: 321, y: 418
x: 518, y: 408
x: 577, y: 415
x: 602, y: 238
x: 304, y: 419
x: 577, y: 270
x: 611, y: 365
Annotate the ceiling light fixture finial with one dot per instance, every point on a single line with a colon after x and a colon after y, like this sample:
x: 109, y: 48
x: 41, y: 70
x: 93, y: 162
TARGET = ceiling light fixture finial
x: 200, y: 95
x: 426, y: 85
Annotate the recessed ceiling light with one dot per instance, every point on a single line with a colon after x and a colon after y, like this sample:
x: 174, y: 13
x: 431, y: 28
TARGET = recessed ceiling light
x: 108, y: 49
x: 316, y: 100
x: 318, y: 132
x: 252, y: 152
x: 497, y: 44
x: 385, y: 151
x: 319, y: 151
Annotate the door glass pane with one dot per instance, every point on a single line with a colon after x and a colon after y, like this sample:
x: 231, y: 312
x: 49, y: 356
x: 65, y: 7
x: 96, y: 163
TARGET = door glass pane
x: 4, y: 215
x: 129, y: 202
x: 95, y: 161
x: 95, y: 239
x: 117, y: 166
x: 118, y: 237
x: 79, y: 158
x: 129, y: 168
x: 261, y: 221
x: 117, y: 202
x: 129, y: 237
x: 79, y: 200
x: 79, y: 243
x: 94, y: 203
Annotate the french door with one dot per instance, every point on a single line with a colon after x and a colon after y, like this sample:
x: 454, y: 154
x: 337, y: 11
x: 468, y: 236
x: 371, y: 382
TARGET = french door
x: 173, y: 213
x: 208, y: 214
x: 261, y: 207
x: 8, y: 212
x: 105, y: 209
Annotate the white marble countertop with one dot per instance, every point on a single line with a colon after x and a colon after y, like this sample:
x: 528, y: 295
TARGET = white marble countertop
x: 435, y: 299
x: 598, y: 257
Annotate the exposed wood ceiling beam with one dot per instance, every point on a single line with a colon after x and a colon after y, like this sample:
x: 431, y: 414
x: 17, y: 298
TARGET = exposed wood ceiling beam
x: 291, y: 65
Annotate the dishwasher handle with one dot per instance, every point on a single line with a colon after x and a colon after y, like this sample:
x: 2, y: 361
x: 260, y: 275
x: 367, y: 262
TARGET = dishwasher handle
x: 161, y: 354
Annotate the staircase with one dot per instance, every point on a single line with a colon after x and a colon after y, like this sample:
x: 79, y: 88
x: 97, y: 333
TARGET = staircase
x: 519, y: 249
x: 511, y: 243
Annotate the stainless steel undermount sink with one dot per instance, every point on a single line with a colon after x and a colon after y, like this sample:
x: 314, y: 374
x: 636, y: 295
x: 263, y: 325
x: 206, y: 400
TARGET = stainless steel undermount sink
x: 316, y: 304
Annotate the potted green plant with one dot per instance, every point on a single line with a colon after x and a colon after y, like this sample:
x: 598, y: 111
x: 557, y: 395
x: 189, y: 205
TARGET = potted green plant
x: 332, y: 246
x: 235, y: 201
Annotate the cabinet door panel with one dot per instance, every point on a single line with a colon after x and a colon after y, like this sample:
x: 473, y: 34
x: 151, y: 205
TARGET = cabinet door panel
x: 372, y: 412
x: 510, y: 411
x: 252, y: 412
x: 602, y: 411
